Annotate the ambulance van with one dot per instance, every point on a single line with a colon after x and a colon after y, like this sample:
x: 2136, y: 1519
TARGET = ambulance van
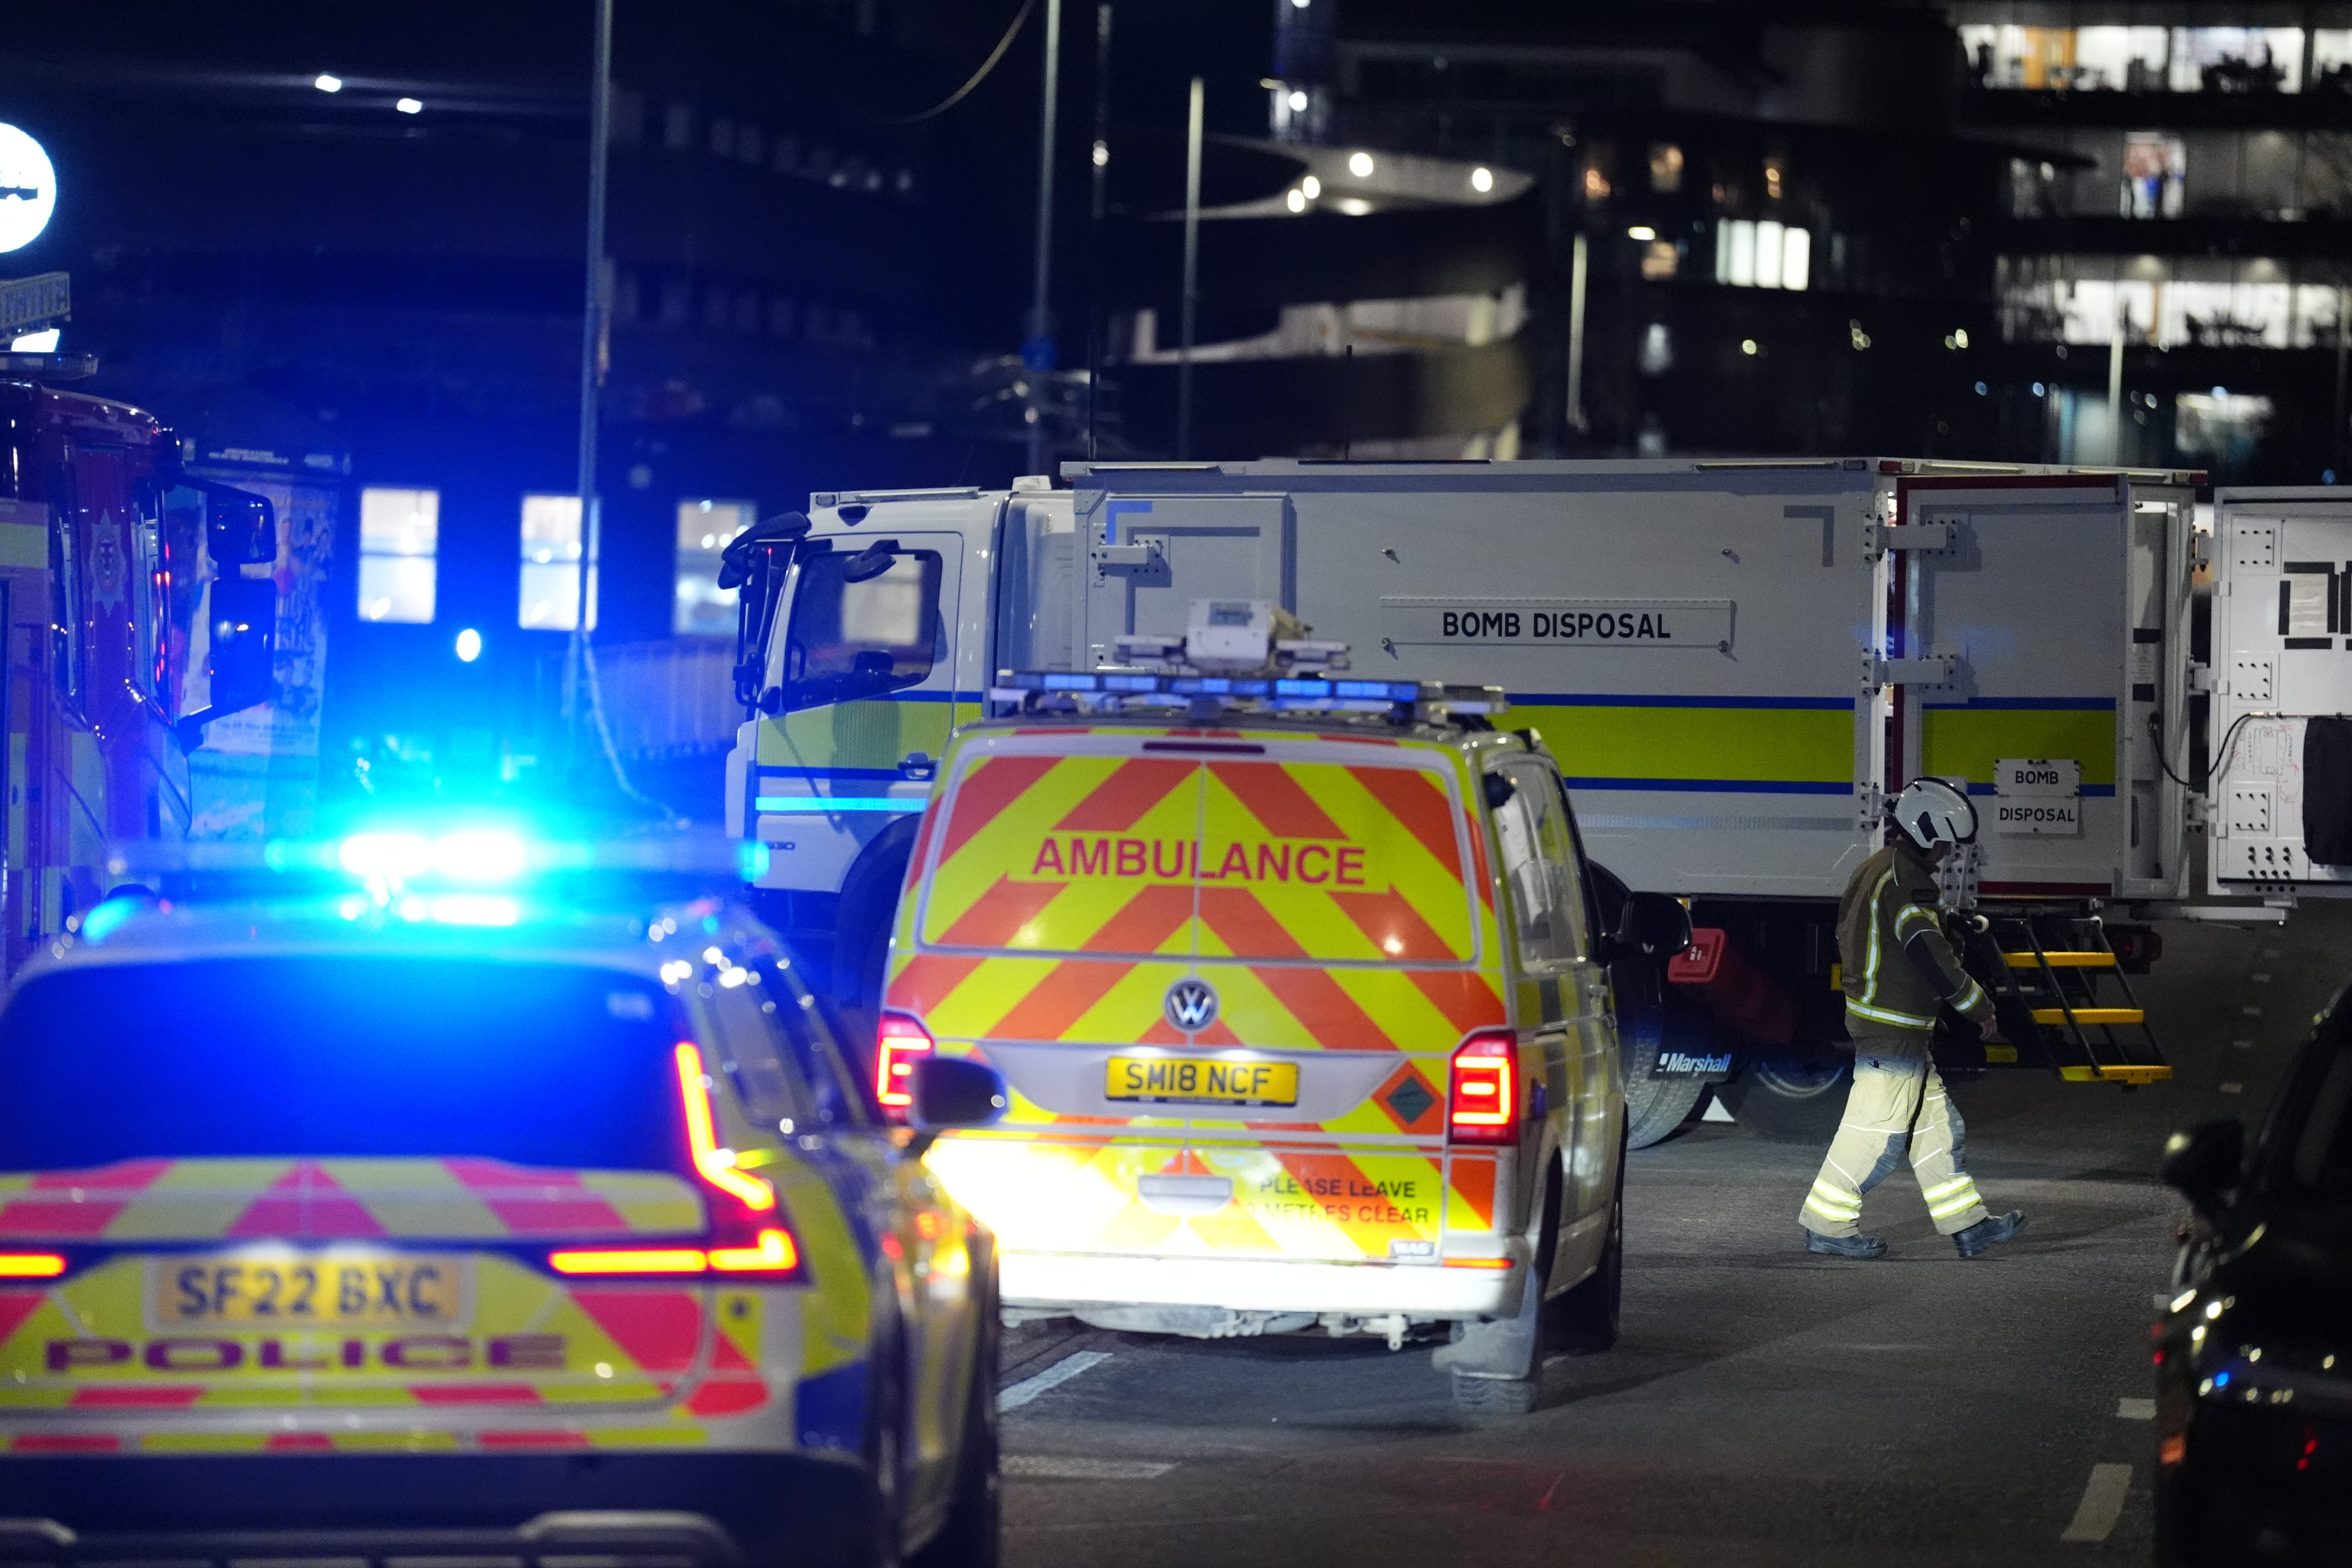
x: 1297, y: 989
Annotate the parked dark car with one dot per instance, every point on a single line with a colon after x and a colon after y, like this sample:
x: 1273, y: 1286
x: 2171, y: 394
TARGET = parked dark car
x: 2253, y: 1358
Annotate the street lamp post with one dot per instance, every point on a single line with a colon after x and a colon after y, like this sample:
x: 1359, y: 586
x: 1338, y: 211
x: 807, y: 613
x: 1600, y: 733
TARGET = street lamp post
x: 1037, y: 353
x: 592, y: 352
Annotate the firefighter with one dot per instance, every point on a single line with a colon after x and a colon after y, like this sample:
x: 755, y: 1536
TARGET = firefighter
x: 1898, y: 969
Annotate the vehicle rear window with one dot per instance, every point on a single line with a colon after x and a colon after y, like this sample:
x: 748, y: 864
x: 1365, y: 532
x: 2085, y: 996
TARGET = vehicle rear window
x: 1266, y: 858
x: 534, y: 1064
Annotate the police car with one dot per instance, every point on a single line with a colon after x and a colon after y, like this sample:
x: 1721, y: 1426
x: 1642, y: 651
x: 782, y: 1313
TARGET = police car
x: 428, y: 1222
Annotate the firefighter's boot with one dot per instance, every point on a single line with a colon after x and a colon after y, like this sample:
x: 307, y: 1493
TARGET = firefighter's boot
x: 1844, y: 1245
x: 1978, y: 1239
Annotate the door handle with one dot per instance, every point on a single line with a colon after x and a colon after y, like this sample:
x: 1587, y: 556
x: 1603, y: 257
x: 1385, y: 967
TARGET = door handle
x: 916, y: 765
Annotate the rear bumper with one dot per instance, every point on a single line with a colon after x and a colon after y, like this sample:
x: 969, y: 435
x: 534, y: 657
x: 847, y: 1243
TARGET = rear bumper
x: 1061, y: 1279
x: 704, y: 1509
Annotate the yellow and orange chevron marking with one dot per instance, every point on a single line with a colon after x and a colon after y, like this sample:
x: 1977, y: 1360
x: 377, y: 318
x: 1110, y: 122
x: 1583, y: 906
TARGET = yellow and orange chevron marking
x: 1331, y: 891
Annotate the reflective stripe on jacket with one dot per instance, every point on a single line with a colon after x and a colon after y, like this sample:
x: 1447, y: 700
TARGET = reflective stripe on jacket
x: 1898, y: 969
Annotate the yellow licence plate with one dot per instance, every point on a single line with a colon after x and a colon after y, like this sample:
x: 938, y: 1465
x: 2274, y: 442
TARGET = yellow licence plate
x: 1197, y: 1081
x: 342, y: 1290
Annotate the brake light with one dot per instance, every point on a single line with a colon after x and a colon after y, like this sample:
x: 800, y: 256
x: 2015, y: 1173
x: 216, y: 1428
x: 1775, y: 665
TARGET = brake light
x: 31, y: 1265
x: 1481, y: 1101
x: 746, y: 1234
x: 773, y: 1253
x: 716, y: 1165
x: 899, y: 1043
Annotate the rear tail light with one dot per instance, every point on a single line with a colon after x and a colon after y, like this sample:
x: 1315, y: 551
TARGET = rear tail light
x: 746, y: 1237
x: 1481, y: 1101
x: 31, y: 1265
x: 899, y: 1043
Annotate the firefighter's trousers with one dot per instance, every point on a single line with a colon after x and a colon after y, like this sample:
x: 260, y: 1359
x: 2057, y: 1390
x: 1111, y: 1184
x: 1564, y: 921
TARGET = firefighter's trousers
x: 1898, y: 1106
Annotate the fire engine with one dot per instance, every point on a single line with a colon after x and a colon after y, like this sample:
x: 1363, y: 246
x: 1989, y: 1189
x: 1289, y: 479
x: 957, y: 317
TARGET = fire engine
x: 138, y: 606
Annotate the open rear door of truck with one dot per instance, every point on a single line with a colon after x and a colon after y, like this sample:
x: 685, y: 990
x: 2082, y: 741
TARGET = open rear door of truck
x: 2282, y: 677
x: 2041, y: 625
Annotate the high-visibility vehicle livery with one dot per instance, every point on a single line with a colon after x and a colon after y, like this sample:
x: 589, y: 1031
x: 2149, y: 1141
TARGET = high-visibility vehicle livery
x: 435, y: 1223
x: 1738, y: 662
x: 1302, y: 1008
x: 140, y: 605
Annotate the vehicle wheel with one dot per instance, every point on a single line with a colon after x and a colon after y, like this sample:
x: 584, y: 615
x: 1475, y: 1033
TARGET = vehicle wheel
x: 972, y: 1537
x: 1495, y: 1397
x: 885, y: 1459
x: 1656, y: 1108
x: 1584, y: 1322
x: 1488, y: 1395
x: 1789, y: 1099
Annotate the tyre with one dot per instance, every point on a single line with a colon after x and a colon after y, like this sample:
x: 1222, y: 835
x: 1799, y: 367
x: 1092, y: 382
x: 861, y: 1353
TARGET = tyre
x: 1788, y: 1100
x: 973, y: 1534
x: 1656, y: 1108
x: 1584, y: 1319
x: 1496, y: 1397
x: 878, y: 1542
x: 1487, y: 1394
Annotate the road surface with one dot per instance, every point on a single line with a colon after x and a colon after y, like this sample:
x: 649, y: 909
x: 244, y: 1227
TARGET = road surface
x: 1764, y: 1407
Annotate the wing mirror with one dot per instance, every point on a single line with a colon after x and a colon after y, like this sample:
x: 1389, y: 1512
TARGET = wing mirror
x: 871, y: 561
x: 2205, y: 1163
x: 1652, y: 926
x: 748, y: 552
x: 952, y: 1091
x: 243, y: 651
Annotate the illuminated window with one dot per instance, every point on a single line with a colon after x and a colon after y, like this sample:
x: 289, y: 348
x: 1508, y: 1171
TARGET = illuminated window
x: 1665, y: 167
x: 550, y: 565
x: 703, y: 609
x: 1762, y: 255
x: 400, y: 539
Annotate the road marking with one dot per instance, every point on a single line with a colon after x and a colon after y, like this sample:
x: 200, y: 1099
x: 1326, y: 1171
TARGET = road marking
x: 2242, y: 1045
x: 2135, y: 1409
x: 2233, y: 1089
x: 2251, y: 1012
x: 2102, y: 1505
x: 2260, y: 979
x: 1053, y: 1377
x: 1056, y: 1468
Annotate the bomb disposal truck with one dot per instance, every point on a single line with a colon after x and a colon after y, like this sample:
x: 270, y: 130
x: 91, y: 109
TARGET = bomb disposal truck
x: 1735, y: 662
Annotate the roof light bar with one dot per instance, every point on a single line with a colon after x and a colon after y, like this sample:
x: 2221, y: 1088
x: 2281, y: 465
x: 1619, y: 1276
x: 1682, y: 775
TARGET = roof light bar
x: 1114, y: 690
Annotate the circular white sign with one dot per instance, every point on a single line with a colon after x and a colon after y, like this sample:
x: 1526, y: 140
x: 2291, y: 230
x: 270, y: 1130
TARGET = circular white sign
x: 28, y: 189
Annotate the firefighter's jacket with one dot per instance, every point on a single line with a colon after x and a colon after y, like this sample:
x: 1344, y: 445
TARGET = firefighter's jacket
x: 1897, y: 967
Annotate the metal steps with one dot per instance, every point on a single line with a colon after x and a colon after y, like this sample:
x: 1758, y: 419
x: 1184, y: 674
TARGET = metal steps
x: 2064, y: 1001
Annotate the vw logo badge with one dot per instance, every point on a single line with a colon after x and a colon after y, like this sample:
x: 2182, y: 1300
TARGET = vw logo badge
x: 1191, y: 1004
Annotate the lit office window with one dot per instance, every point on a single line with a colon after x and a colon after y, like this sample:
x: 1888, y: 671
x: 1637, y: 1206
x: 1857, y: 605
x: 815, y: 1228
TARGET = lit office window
x: 703, y: 609
x: 400, y: 537
x: 550, y: 565
x: 1762, y: 255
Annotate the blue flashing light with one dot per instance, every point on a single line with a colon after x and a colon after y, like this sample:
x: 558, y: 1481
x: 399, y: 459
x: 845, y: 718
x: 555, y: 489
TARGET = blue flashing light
x: 465, y: 910
x: 479, y: 856
x: 2220, y: 1380
x: 106, y: 918
x: 753, y: 860
x: 827, y: 805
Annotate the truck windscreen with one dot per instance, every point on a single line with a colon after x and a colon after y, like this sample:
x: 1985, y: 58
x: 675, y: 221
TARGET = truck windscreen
x: 322, y: 1057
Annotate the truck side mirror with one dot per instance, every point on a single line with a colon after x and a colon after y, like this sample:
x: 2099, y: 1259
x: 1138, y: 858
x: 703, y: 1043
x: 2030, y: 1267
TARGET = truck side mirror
x: 2204, y: 1163
x: 243, y: 651
x: 1652, y: 926
x: 871, y: 561
x: 240, y: 527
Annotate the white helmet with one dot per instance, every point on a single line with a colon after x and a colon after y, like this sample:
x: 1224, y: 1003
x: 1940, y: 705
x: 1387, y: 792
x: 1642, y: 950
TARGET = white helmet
x: 1932, y: 811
